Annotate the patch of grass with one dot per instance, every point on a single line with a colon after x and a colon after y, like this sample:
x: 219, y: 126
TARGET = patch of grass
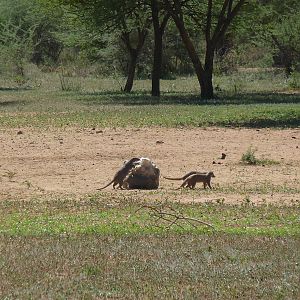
x: 9, y: 174
x: 188, y: 266
x: 294, y: 80
x: 68, y: 83
x: 161, y: 115
x: 102, y: 247
x: 99, y: 103
x: 121, y: 218
x: 250, y: 158
x: 245, y: 188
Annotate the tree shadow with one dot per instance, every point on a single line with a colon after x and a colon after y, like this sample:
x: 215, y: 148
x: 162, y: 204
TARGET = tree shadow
x: 260, y: 122
x: 268, y: 123
x: 14, y: 89
x: 12, y: 103
x: 180, y: 98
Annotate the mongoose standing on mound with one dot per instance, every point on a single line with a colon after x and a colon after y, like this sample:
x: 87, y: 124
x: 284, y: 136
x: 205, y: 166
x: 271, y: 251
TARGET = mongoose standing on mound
x: 184, y: 176
x: 194, y: 178
x: 122, y: 173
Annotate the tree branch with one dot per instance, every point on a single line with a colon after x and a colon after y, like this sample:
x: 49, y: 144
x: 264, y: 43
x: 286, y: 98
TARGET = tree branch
x: 208, y: 21
x: 223, y: 23
x: 161, y: 214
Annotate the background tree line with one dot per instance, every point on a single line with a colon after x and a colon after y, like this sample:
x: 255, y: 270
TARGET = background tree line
x: 153, y: 39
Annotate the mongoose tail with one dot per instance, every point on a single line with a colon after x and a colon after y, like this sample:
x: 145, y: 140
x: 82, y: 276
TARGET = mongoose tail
x: 184, y: 176
x: 106, y: 185
x: 171, y: 178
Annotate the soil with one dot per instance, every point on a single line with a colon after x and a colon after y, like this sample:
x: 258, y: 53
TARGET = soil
x: 75, y: 162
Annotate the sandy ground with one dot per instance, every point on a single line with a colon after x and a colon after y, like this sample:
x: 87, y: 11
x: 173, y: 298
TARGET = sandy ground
x: 75, y: 162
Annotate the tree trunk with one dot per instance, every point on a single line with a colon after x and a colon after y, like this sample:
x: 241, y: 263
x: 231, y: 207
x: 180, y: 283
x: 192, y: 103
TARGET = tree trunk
x: 159, y: 29
x: 134, y: 54
x: 157, y: 55
x: 204, y: 75
x: 157, y: 62
x: 207, y: 91
x: 131, y: 71
x: 191, y: 50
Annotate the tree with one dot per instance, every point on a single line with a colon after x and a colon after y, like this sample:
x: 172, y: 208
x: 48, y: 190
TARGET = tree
x: 134, y: 52
x: 27, y: 33
x: 286, y: 39
x: 16, y: 47
x: 159, y: 29
x: 213, y: 18
x: 133, y: 26
x: 131, y: 19
x: 284, y: 32
x: 274, y: 27
x: 113, y: 16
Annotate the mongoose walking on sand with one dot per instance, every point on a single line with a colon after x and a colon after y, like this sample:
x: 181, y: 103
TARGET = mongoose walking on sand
x: 194, y: 178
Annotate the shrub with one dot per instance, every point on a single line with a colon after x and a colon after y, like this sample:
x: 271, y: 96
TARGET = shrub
x: 249, y: 157
x: 294, y: 80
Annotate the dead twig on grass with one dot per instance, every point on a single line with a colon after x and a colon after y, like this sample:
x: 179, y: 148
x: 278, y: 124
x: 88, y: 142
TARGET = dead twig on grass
x: 171, y: 216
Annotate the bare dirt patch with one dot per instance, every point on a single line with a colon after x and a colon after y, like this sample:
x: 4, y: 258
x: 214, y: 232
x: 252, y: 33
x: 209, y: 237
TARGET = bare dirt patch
x: 75, y: 162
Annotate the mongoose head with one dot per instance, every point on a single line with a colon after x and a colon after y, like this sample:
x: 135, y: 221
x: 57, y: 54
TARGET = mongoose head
x: 211, y: 174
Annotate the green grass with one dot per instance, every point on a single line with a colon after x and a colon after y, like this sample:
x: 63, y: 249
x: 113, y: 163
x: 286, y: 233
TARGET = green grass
x: 101, y: 104
x: 104, y: 248
x: 249, y: 158
x: 92, y: 216
x: 279, y: 115
x: 261, y: 188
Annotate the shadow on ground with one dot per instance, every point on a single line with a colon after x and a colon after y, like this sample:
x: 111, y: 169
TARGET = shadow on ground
x: 135, y: 98
x: 12, y: 103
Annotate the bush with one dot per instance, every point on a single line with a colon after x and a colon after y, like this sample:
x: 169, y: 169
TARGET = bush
x: 294, y: 80
x: 249, y: 157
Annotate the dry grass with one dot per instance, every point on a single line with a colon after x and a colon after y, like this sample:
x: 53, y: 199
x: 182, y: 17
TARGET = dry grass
x: 150, y: 267
x: 105, y: 251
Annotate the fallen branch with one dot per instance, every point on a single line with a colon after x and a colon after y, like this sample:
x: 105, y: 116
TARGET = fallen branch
x: 172, y: 217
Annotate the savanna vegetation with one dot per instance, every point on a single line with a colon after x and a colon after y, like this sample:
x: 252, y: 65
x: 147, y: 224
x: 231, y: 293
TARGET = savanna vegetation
x: 152, y: 64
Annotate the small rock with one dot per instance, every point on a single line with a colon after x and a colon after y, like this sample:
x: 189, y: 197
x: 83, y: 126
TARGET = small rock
x: 223, y: 156
x: 159, y: 142
x: 99, y: 131
x: 20, y: 132
x: 214, y: 162
x: 293, y: 137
